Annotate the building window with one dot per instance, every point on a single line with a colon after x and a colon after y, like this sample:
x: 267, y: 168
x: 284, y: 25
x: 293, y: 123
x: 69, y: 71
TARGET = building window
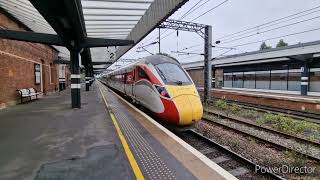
x: 279, y: 79
x: 37, y: 73
x: 262, y: 79
x: 62, y: 73
x: 249, y: 80
x: 51, y: 73
x: 294, y: 77
x: 227, y: 80
x: 314, y: 82
x: 237, y: 80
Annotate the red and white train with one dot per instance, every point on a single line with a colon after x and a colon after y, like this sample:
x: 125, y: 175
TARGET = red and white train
x: 160, y: 84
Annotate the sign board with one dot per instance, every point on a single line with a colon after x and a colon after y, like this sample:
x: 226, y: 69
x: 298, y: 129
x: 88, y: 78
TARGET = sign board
x: 111, y: 54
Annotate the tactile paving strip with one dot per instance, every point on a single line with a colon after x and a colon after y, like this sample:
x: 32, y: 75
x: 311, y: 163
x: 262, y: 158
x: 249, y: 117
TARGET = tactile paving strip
x: 152, y: 165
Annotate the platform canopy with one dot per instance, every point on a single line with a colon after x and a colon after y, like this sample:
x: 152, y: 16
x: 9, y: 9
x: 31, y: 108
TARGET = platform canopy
x: 83, y: 19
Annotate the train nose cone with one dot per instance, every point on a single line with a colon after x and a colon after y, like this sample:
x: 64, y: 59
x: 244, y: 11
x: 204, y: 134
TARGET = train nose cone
x: 189, y: 108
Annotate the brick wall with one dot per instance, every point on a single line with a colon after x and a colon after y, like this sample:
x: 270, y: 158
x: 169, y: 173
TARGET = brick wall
x: 197, y: 77
x: 219, y: 77
x: 17, y: 60
x: 267, y: 101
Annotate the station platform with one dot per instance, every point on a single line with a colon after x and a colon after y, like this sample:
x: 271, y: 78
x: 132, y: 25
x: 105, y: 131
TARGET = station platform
x: 293, y: 102
x: 105, y: 139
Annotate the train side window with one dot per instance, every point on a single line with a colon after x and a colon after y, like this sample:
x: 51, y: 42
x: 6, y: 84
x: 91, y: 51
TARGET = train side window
x: 142, y: 73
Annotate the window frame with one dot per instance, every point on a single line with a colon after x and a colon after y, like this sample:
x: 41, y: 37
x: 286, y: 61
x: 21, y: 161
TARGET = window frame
x: 173, y: 83
x: 140, y: 71
x: 36, y: 72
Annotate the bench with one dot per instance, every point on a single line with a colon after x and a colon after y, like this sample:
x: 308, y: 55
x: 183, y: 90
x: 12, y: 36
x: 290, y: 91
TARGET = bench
x: 28, y: 93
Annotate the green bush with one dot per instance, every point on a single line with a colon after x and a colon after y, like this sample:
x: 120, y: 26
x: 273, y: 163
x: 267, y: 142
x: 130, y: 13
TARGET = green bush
x: 249, y: 113
x: 286, y: 124
x: 298, y: 160
x: 221, y: 104
x: 235, y: 108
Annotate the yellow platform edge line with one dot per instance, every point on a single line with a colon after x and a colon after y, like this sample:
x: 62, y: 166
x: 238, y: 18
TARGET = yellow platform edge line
x: 132, y: 160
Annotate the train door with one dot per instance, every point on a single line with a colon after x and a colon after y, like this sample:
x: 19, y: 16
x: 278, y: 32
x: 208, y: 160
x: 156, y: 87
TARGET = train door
x: 124, y: 81
x: 136, y: 78
x: 128, y: 82
x: 133, y: 80
x: 142, y: 87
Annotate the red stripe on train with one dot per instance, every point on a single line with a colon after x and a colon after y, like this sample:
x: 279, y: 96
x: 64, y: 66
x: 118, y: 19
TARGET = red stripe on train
x: 170, y: 114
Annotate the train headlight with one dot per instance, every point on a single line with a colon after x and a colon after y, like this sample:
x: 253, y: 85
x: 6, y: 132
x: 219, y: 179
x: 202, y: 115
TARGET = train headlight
x: 162, y: 91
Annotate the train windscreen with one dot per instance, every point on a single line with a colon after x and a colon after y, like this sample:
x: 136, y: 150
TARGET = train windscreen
x: 172, y: 74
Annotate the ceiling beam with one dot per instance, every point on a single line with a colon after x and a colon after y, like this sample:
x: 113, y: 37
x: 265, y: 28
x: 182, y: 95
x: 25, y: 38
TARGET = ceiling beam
x: 56, y: 40
x: 101, y: 63
x: 110, y: 23
x: 127, y: 1
x: 108, y: 33
x: 64, y: 17
x: 32, y: 37
x: 61, y: 61
x: 110, y: 14
x: 99, y: 42
x: 117, y: 8
x: 109, y: 28
x: 117, y: 20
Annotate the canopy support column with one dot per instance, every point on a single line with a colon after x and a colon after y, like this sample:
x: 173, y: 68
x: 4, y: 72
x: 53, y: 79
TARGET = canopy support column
x: 88, y: 78
x: 304, y: 79
x: 75, y: 79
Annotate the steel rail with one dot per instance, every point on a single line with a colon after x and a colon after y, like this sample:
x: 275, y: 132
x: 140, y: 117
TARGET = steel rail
x: 269, y: 130
x: 301, y: 115
x: 237, y: 157
x: 277, y: 146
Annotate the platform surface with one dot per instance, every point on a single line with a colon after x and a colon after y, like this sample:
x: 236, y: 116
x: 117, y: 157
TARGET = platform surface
x: 46, y: 139
x: 273, y: 95
x: 160, y: 153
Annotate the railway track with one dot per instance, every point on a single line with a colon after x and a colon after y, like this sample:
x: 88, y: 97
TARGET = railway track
x: 300, y: 115
x: 234, y: 163
x: 278, y: 145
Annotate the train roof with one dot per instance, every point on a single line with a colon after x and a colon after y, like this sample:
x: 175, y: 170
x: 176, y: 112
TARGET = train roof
x: 153, y: 59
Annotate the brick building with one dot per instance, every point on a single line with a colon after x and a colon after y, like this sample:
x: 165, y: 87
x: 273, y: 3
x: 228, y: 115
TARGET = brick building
x: 18, y: 62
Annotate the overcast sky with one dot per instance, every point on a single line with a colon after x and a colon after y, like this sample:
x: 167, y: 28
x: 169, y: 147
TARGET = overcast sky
x: 233, y: 16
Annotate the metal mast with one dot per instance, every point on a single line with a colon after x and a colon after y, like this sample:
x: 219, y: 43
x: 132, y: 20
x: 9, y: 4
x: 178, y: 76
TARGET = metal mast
x: 205, y: 31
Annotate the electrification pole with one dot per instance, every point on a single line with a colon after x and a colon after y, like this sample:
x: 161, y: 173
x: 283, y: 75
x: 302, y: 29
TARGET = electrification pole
x: 207, y: 36
x: 207, y: 63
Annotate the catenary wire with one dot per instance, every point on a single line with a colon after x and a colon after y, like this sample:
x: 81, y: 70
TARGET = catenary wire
x: 272, y: 29
x: 301, y: 12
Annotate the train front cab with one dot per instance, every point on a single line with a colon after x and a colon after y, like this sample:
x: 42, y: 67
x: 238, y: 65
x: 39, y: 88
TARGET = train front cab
x: 182, y: 93
x: 187, y: 102
x: 164, y: 88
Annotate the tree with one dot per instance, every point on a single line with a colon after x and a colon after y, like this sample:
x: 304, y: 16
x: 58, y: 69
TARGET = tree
x: 264, y: 46
x: 281, y: 43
